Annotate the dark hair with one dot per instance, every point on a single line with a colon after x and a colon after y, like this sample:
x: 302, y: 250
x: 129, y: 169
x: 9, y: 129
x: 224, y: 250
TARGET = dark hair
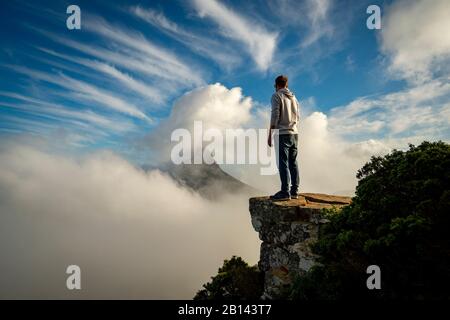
x: 281, y: 81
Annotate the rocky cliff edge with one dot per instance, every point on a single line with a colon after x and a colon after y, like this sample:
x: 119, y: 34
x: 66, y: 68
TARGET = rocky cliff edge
x: 287, y: 229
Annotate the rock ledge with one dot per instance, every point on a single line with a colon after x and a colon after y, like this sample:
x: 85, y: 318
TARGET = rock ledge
x: 287, y: 228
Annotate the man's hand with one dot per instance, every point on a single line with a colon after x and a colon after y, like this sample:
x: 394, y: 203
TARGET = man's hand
x: 269, y: 138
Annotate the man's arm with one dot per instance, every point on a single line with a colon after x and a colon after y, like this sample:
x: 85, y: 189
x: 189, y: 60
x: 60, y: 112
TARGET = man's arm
x: 275, y: 116
x: 269, y: 138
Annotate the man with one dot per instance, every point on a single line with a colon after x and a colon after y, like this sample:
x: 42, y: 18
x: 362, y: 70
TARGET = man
x: 285, y: 117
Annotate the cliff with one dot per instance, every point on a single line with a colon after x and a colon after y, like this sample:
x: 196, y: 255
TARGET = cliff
x: 287, y: 228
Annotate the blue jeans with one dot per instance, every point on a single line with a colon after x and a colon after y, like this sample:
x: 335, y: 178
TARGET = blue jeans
x: 287, y: 162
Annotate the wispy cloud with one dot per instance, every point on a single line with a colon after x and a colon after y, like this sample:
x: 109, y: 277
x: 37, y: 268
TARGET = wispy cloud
x: 312, y: 19
x: 210, y: 48
x: 84, y: 91
x: 130, y: 61
x: 63, y: 113
x: 143, y: 89
x: 314, y: 31
x: 154, y: 68
x: 90, y: 92
x: 318, y: 20
x: 259, y: 42
x: 420, y: 110
x: 123, y: 61
x: 166, y: 62
x: 71, y: 133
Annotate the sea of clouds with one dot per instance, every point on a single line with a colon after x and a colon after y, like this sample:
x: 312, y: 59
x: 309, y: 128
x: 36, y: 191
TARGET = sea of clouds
x: 137, y: 233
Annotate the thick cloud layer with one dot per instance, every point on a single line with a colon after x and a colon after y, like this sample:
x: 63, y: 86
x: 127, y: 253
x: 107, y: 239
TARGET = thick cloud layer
x: 328, y: 163
x: 138, y: 234
x: 215, y: 106
x: 134, y: 234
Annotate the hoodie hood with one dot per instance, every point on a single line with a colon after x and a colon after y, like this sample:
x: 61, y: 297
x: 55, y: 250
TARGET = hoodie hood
x: 286, y: 92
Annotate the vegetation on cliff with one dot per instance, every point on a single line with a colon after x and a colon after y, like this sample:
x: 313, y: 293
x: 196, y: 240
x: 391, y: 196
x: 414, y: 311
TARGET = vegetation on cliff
x: 398, y: 220
x: 235, y: 280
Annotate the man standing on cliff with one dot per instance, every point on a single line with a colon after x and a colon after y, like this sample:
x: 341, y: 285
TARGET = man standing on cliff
x: 285, y: 117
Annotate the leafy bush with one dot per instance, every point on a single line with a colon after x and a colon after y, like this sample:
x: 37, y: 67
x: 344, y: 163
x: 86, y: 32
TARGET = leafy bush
x: 398, y: 220
x: 235, y: 280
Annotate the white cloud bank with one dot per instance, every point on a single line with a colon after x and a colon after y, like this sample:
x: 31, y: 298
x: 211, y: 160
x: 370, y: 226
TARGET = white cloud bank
x: 328, y: 163
x: 214, y: 105
x: 134, y: 234
x: 138, y: 234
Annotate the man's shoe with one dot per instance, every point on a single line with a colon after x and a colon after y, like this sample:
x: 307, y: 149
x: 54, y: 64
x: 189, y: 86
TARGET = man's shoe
x: 294, y: 195
x: 280, y: 196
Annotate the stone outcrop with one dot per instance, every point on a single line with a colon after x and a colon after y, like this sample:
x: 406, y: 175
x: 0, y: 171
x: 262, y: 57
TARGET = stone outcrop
x: 287, y: 229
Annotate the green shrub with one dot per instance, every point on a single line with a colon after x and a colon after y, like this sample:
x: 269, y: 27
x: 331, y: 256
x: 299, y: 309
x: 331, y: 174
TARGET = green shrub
x: 235, y: 280
x: 398, y: 220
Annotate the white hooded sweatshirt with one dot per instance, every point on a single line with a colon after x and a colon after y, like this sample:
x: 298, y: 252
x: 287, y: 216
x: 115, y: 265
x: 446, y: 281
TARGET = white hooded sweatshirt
x: 285, y: 112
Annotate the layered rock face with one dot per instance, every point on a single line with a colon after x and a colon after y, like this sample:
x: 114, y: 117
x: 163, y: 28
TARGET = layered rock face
x: 287, y: 229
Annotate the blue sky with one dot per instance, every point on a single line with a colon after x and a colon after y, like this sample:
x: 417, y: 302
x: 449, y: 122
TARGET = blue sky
x: 119, y: 76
